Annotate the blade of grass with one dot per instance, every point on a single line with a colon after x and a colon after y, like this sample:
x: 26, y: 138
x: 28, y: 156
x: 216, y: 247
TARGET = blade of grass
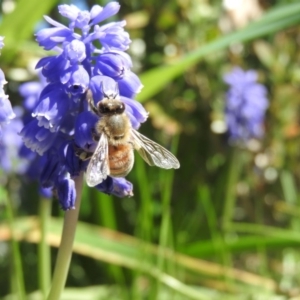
x: 279, y: 12
x: 219, y: 245
x: 261, y: 249
x: 145, y: 213
x: 44, y: 255
x: 216, y: 238
x: 18, y: 26
x: 17, y: 269
x: 288, y: 187
x: 167, y: 178
x: 144, y: 223
x: 290, y: 195
x: 107, y: 217
x: 277, y: 19
x: 105, y: 209
x: 113, y: 292
x: 234, y: 167
x: 167, y: 192
x: 266, y: 231
x: 241, y: 244
x: 165, y: 234
x: 120, y: 249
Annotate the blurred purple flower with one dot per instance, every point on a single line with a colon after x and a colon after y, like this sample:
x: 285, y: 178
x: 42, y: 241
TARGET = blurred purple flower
x: 246, y: 104
x: 15, y: 159
x: 11, y: 142
x: 61, y: 121
x: 6, y: 111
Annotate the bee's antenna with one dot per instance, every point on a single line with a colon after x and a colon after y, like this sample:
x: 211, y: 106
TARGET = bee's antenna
x: 112, y: 94
x: 102, y: 90
x: 116, y: 90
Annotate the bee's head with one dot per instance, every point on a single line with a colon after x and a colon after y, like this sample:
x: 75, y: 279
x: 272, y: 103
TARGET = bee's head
x: 110, y: 106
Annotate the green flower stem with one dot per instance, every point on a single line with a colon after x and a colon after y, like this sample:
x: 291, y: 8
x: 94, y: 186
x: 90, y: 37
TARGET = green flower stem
x: 16, y: 256
x: 66, y: 245
x: 44, y: 256
x: 165, y: 234
x: 145, y: 213
x: 235, y: 164
x: 167, y: 180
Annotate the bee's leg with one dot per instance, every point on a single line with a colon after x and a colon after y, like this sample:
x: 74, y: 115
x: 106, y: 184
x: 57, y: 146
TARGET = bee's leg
x: 89, y: 98
x: 82, y: 154
x: 95, y: 135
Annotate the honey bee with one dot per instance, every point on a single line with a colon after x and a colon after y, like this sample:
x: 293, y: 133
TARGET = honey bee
x: 117, y: 139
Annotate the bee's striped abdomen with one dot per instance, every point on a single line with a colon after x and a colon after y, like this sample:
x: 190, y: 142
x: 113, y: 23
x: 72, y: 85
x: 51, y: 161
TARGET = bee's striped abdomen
x: 120, y: 159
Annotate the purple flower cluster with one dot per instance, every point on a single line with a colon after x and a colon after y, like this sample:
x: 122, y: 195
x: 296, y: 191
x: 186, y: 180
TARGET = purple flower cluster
x: 61, y: 120
x: 6, y: 111
x: 11, y: 143
x: 246, y: 104
x: 30, y: 92
x: 15, y: 159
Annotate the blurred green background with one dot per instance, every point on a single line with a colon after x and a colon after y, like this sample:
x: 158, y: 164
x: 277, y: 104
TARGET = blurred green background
x: 226, y: 224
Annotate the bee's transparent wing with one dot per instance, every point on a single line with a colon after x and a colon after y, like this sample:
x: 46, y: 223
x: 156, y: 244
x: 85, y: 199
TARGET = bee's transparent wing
x: 98, y: 167
x: 153, y: 153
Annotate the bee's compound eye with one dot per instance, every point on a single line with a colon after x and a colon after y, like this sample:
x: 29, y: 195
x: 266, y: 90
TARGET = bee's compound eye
x: 102, y: 108
x: 121, y: 108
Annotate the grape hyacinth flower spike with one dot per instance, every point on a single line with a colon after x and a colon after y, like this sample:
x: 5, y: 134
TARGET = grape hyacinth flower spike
x: 62, y: 120
x: 246, y: 104
x: 89, y: 97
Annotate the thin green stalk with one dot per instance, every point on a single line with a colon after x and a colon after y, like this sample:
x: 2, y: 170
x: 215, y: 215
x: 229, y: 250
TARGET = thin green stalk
x: 265, y: 230
x: 106, y: 216
x: 165, y: 234
x: 106, y: 210
x: 289, y: 189
x: 44, y: 256
x: 261, y: 249
x: 145, y: 214
x: 165, y: 228
x: 167, y: 180
x: 234, y: 168
x: 176, y: 285
x: 217, y: 241
x: 219, y: 245
x: 16, y: 255
x: 144, y: 221
x: 233, y: 172
x: 66, y: 245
